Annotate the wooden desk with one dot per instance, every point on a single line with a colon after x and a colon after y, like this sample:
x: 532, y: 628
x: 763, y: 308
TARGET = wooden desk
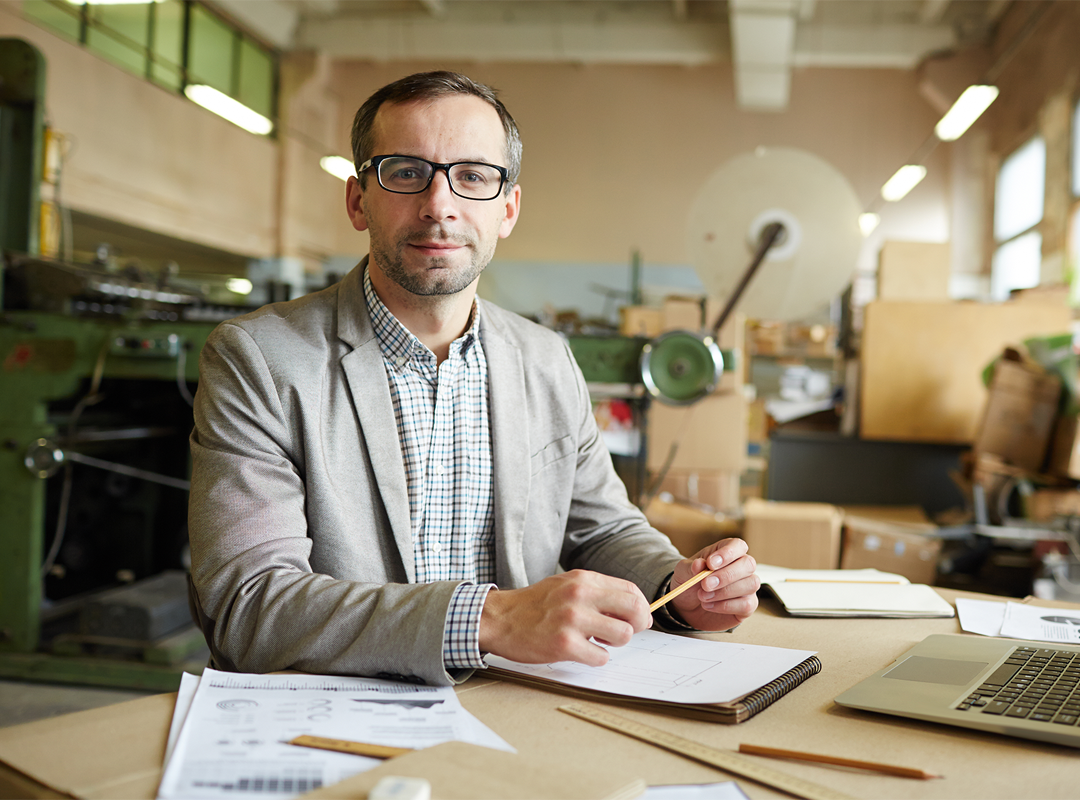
x: 975, y: 765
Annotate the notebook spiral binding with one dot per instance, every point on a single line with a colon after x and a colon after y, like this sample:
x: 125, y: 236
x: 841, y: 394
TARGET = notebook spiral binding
x: 768, y: 694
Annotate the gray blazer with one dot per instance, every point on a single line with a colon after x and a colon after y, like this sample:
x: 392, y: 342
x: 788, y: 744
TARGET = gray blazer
x: 301, y: 543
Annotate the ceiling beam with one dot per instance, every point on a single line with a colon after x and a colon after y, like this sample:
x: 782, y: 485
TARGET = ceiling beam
x: 762, y: 48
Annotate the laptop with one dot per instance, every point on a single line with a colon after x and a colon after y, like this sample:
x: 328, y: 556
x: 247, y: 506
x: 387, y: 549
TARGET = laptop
x: 1018, y: 688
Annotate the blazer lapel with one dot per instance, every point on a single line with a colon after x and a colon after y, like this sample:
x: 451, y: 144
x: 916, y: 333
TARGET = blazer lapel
x: 365, y: 374
x: 510, y: 452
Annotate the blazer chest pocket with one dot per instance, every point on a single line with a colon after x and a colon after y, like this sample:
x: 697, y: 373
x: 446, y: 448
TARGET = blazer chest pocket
x: 550, y: 453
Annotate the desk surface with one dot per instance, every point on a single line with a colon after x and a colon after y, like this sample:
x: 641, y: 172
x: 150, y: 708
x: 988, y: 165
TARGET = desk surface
x: 974, y: 765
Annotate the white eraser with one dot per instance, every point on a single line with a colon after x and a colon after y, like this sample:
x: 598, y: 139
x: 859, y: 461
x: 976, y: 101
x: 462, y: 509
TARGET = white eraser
x: 395, y: 788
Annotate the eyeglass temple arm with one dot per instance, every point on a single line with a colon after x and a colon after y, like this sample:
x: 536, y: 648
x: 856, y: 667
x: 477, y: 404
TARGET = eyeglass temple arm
x: 770, y: 235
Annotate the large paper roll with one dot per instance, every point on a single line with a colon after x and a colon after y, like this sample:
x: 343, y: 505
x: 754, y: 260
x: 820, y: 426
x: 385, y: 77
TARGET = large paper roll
x: 819, y: 210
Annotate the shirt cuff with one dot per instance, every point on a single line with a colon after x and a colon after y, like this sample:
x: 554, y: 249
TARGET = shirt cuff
x: 666, y: 616
x: 461, y: 635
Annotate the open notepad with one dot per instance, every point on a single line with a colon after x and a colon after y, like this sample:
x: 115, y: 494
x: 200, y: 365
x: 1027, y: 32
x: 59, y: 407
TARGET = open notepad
x: 698, y: 678
x: 851, y: 593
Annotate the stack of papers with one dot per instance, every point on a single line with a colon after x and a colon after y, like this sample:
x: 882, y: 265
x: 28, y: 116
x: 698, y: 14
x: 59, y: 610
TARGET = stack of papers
x: 1019, y: 621
x: 230, y: 731
x: 851, y: 593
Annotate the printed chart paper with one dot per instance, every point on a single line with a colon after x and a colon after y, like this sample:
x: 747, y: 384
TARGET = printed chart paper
x: 233, y: 739
x: 675, y: 669
x: 1042, y: 624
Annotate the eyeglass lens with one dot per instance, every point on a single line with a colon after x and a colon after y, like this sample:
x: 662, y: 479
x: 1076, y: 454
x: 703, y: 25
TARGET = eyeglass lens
x: 412, y: 175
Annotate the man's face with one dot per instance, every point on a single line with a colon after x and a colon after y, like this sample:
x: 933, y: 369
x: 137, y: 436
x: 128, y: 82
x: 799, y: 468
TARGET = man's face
x: 434, y: 242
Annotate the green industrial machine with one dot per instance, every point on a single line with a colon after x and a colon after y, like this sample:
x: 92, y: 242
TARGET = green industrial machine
x: 92, y: 419
x: 97, y: 367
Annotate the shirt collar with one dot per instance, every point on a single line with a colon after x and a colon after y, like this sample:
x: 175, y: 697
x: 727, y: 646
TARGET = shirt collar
x: 399, y: 343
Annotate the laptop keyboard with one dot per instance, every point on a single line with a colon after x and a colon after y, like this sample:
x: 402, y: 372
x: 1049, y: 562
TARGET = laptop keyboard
x: 1034, y: 684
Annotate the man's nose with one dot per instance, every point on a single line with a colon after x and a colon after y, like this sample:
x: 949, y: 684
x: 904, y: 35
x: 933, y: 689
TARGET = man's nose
x: 440, y: 202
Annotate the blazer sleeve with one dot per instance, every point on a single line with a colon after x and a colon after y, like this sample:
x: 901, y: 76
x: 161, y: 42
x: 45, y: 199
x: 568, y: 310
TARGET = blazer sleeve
x: 254, y: 592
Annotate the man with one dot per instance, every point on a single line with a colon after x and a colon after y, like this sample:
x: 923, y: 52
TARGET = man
x: 388, y: 475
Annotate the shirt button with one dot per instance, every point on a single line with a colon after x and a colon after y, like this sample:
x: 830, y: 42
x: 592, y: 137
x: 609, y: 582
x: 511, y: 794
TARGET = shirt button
x: 436, y: 547
x: 440, y: 469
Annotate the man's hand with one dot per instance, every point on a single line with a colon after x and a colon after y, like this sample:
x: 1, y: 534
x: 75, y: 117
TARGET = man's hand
x: 725, y: 598
x: 553, y: 619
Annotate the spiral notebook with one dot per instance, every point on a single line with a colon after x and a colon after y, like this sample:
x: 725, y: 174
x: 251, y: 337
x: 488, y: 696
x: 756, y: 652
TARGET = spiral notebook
x: 683, y: 676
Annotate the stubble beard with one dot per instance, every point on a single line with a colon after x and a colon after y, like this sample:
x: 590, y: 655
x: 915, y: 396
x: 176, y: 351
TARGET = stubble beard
x: 444, y: 279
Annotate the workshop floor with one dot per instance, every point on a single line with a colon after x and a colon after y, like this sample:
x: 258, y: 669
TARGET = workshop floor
x: 27, y: 701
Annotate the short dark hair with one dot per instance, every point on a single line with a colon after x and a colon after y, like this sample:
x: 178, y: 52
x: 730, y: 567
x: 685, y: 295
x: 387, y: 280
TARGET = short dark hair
x: 430, y: 86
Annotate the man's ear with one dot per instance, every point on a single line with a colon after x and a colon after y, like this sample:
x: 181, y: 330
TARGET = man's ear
x: 513, y: 207
x: 354, y: 204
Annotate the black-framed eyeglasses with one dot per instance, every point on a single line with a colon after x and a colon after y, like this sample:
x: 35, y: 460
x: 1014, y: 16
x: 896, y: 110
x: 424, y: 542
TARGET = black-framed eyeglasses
x: 410, y: 175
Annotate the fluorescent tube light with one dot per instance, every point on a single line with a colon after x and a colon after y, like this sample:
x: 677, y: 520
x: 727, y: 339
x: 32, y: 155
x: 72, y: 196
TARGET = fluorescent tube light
x: 968, y: 107
x: 905, y: 179
x: 868, y: 222
x: 224, y: 106
x: 338, y: 167
x: 239, y: 285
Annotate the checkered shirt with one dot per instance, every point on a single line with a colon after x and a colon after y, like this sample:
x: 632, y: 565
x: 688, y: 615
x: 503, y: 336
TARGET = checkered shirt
x: 442, y: 423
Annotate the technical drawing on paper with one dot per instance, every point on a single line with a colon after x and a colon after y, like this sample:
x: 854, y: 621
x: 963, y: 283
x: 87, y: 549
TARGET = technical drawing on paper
x: 678, y: 669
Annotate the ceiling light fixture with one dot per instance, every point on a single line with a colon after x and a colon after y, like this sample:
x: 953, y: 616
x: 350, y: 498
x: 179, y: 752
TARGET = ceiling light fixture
x: 968, y: 107
x: 224, y: 106
x: 239, y: 285
x: 905, y: 179
x: 868, y: 221
x: 338, y: 167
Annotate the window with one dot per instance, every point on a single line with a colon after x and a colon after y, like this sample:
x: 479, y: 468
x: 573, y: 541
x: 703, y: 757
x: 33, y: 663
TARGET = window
x: 1076, y: 151
x: 147, y: 39
x: 1018, y: 210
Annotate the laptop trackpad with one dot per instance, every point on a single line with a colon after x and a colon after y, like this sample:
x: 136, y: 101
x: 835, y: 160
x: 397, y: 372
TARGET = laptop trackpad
x: 937, y: 670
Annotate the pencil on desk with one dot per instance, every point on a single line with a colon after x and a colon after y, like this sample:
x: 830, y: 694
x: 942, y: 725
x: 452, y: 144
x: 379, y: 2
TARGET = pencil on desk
x: 887, y: 769
x: 682, y: 587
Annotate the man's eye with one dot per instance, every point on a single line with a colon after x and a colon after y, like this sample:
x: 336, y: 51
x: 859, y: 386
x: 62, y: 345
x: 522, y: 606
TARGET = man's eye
x: 471, y: 177
x: 405, y: 174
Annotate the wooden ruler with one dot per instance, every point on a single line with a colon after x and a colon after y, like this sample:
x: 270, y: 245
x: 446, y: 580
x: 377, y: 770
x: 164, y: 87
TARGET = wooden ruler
x: 721, y: 759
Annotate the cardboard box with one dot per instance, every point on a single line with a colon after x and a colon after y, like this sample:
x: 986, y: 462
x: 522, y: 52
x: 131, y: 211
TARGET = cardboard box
x: 914, y: 271
x: 900, y: 547
x: 685, y: 313
x: 715, y: 489
x: 922, y: 363
x: 794, y: 535
x: 1063, y: 458
x: 1019, y: 415
x: 689, y: 528
x: 1045, y: 505
x: 640, y: 321
x: 710, y: 435
x: 908, y: 514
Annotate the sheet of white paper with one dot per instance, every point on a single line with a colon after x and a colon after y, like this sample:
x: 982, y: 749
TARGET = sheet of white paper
x: 770, y: 574
x: 728, y: 790
x: 980, y: 616
x: 676, y: 669
x: 188, y: 684
x: 1041, y: 624
x: 233, y: 741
